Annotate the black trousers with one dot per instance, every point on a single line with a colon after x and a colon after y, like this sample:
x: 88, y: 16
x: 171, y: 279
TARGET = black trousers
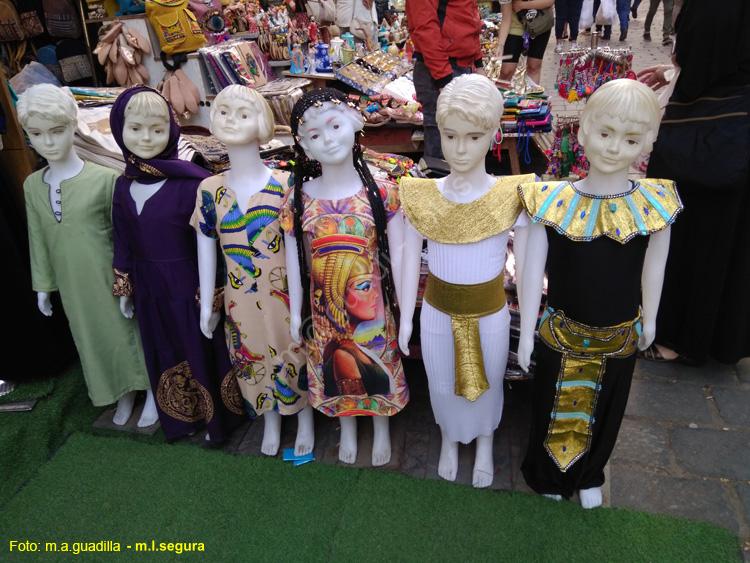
x: 539, y: 471
x: 427, y: 95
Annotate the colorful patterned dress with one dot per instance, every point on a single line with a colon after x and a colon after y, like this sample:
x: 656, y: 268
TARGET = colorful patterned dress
x: 353, y: 363
x: 270, y: 368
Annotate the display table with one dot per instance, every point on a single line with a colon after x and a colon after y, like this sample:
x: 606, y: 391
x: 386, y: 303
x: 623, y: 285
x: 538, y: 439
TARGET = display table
x: 318, y: 79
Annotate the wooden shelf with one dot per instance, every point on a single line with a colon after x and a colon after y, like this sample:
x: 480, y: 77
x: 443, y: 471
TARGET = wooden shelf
x: 116, y: 18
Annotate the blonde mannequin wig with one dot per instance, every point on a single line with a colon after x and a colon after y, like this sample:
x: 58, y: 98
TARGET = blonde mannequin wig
x: 472, y: 97
x: 257, y: 101
x: 49, y: 102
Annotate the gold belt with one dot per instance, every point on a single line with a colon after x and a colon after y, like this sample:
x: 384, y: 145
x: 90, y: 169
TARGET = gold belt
x: 466, y: 304
x: 584, y: 350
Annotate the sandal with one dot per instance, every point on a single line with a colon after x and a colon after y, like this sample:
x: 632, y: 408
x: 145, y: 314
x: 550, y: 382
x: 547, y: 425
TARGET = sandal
x: 652, y: 354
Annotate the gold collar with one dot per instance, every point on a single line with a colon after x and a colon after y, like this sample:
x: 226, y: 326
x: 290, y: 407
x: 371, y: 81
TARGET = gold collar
x: 441, y: 220
x: 650, y: 206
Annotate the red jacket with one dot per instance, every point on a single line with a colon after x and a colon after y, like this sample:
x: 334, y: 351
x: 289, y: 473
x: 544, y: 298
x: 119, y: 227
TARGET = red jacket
x: 458, y: 38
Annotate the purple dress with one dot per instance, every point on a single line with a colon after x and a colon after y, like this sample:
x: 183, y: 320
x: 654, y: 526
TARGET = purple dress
x: 155, y: 261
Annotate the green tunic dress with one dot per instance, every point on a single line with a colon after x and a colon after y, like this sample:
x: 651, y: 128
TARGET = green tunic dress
x: 74, y: 256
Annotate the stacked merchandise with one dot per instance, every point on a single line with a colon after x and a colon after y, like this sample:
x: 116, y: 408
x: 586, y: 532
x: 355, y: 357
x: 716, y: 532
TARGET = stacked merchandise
x: 281, y: 95
x: 526, y: 114
x: 234, y: 62
x: 566, y: 157
x: 582, y: 70
x: 373, y: 72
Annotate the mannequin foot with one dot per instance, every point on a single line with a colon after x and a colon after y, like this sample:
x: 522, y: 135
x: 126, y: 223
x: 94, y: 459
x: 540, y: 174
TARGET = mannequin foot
x: 149, y: 415
x: 484, y: 466
x: 558, y: 498
x: 590, y: 498
x: 448, y: 463
x: 381, y: 442
x: 124, y: 408
x: 348, y: 440
x: 271, y: 433
x: 305, y: 441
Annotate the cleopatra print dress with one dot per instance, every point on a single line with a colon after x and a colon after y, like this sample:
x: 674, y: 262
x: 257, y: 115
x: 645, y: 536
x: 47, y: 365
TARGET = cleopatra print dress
x: 270, y: 368
x: 353, y: 363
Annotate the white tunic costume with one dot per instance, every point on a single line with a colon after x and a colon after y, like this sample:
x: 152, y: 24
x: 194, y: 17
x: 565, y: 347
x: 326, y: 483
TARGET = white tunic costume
x: 470, y: 249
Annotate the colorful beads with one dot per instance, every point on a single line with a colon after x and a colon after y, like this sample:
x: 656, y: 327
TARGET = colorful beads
x: 613, y: 207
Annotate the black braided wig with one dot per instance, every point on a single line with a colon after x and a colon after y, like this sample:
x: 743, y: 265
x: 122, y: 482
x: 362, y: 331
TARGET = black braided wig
x: 306, y: 169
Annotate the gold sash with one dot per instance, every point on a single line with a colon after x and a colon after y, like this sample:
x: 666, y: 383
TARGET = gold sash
x: 584, y: 350
x: 466, y: 304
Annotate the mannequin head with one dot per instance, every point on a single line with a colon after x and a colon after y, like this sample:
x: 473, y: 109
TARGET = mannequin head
x: 145, y: 132
x: 327, y: 132
x: 618, y: 124
x: 468, y: 115
x: 240, y: 115
x: 49, y: 115
x: 326, y: 128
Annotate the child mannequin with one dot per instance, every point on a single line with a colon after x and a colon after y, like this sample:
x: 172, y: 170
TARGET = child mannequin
x: 335, y: 225
x: 608, y: 240
x: 465, y: 218
x: 69, y: 205
x: 156, y: 270
x: 240, y: 207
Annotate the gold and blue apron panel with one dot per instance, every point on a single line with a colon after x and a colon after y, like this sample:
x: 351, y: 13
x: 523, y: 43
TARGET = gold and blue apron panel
x: 584, y: 350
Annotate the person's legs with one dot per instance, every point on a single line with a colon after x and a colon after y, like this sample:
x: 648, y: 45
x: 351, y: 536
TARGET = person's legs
x: 534, y: 56
x: 634, y: 8
x: 667, y: 28
x: 652, y: 7
x: 574, y: 16
x: 513, y: 47
x: 561, y: 16
x: 427, y: 94
x: 623, y: 9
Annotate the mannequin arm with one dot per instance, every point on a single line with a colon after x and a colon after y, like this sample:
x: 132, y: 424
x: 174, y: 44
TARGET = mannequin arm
x: 396, y: 249
x: 121, y: 260
x: 652, y: 281
x: 520, y: 243
x: 411, y: 262
x: 126, y: 306
x: 42, y: 274
x: 207, y: 276
x: 295, y: 287
x: 532, y: 281
x: 44, y: 303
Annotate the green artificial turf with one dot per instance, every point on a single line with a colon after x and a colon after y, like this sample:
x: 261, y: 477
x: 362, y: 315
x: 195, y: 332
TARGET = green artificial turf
x: 257, y: 509
x: 29, y: 439
x: 28, y: 391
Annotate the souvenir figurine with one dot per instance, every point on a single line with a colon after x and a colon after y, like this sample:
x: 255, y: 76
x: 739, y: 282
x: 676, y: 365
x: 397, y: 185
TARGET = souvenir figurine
x: 604, y: 241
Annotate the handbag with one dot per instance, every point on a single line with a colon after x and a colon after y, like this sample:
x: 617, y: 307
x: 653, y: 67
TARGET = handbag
x: 540, y: 23
x: 175, y: 25
x: 706, y: 141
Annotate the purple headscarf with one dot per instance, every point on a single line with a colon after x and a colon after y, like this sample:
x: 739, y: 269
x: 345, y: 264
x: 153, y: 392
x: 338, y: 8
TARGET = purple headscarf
x: 166, y: 164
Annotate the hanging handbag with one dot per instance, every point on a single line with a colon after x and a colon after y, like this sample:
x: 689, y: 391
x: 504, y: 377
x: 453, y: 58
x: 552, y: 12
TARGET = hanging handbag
x: 540, y: 22
x: 11, y: 28
x: 706, y: 141
x: 62, y: 19
x: 175, y: 25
